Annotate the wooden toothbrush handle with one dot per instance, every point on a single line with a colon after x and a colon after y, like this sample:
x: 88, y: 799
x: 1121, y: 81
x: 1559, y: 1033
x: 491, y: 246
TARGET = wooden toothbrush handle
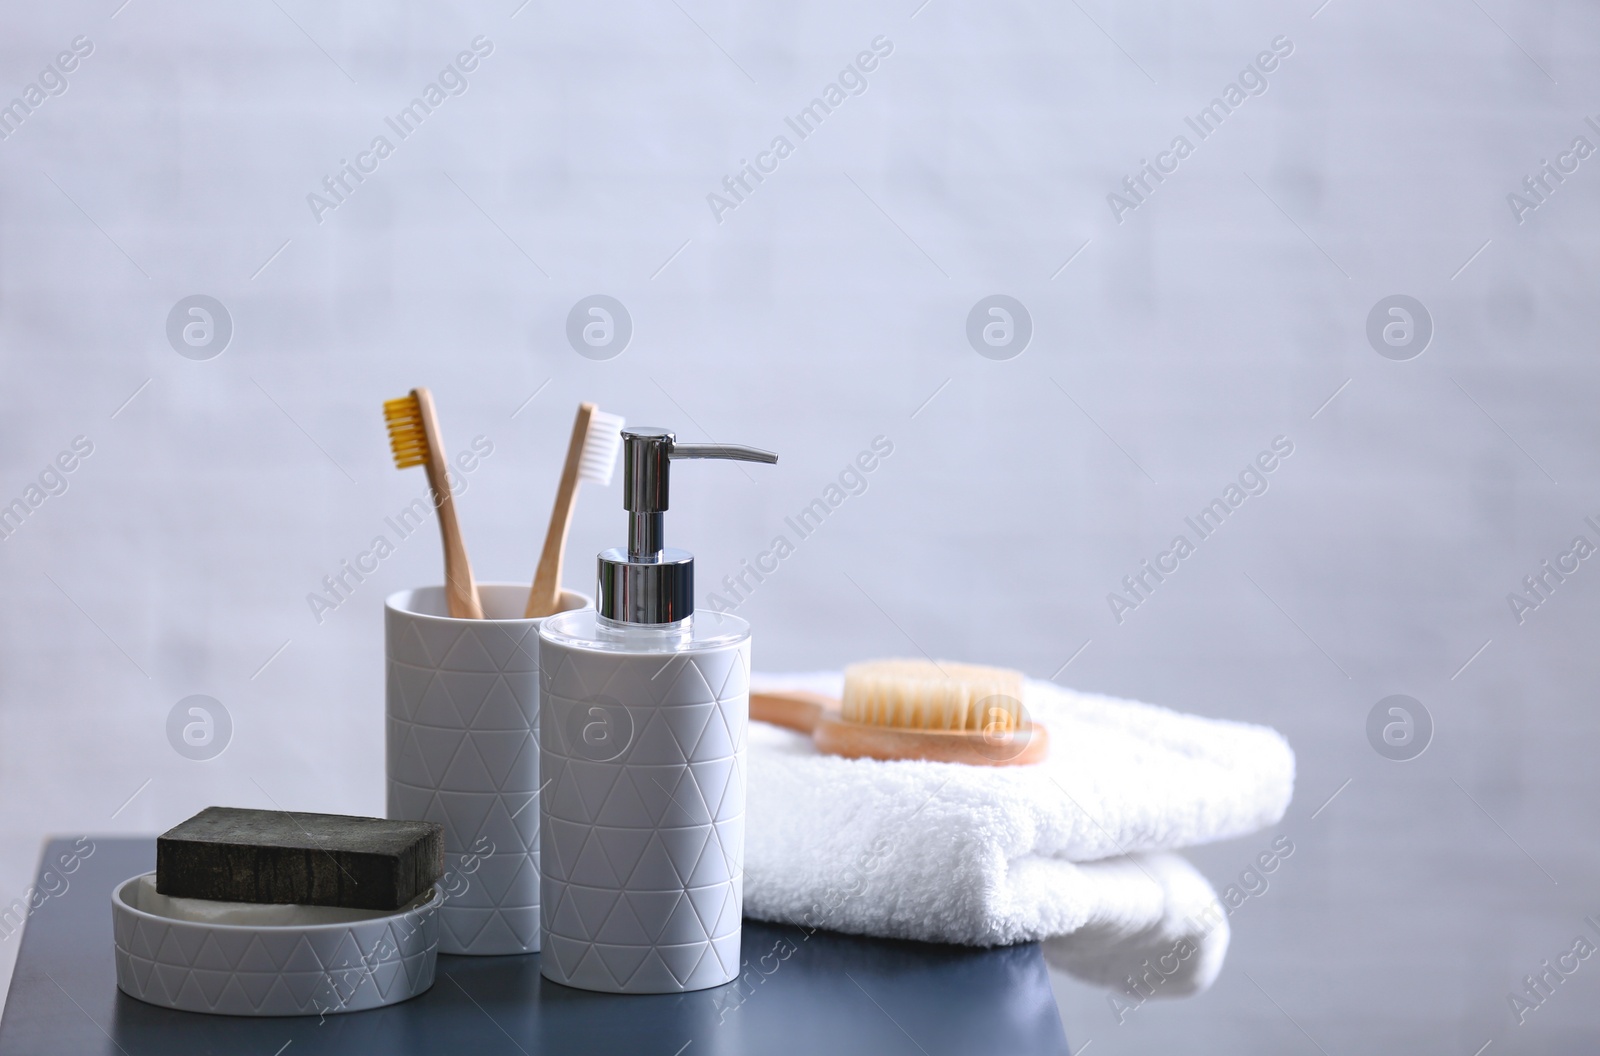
x: 545, y: 596
x: 797, y: 709
x: 460, y: 590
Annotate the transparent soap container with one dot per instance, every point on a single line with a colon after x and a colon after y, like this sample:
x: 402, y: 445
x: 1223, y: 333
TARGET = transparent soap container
x: 642, y: 751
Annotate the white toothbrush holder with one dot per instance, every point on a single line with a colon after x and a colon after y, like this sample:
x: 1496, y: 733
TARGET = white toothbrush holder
x: 463, y: 750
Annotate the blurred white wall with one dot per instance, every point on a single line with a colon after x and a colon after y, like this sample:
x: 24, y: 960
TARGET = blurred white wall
x: 1170, y: 344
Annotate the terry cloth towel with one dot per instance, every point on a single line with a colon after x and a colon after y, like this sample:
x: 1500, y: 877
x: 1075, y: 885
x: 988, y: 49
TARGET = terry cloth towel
x: 990, y: 856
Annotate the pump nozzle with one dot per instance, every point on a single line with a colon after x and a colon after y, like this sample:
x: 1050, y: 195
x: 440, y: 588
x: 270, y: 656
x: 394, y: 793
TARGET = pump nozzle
x: 650, y: 583
x: 731, y: 452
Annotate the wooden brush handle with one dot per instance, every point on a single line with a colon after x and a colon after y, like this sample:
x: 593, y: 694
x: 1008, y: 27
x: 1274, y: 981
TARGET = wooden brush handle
x: 818, y: 715
x: 460, y: 590
x: 857, y: 740
x: 794, y: 708
x: 546, y: 593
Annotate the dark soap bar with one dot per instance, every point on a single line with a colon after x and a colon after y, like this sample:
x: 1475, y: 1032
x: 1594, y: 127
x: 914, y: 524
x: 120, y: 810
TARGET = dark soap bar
x: 236, y: 855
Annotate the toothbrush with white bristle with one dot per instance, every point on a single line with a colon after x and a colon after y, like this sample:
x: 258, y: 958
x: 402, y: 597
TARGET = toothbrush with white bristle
x: 591, y: 456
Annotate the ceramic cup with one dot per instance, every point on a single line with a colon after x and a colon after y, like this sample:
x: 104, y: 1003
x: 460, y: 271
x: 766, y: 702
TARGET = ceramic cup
x: 463, y: 750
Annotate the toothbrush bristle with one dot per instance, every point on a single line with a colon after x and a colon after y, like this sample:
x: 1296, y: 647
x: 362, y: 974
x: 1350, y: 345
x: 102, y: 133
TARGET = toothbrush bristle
x: 600, y: 447
x: 407, y: 439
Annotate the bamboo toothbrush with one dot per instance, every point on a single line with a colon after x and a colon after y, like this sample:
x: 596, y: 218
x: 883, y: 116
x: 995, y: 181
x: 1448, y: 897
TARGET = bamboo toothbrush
x: 414, y: 438
x: 915, y: 709
x: 592, y: 456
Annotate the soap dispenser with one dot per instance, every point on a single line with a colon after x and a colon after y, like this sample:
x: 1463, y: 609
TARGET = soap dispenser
x: 642, y: 715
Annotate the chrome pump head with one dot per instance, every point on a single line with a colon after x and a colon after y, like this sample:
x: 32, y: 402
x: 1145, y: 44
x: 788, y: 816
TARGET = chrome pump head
x: 649, y: 582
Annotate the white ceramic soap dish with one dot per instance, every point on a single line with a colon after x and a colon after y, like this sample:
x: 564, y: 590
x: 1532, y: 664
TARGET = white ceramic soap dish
x: 241, y: 959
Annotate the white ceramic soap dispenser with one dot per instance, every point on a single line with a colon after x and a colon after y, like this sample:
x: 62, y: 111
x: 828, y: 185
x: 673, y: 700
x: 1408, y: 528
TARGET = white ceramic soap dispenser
x: 641, y: 748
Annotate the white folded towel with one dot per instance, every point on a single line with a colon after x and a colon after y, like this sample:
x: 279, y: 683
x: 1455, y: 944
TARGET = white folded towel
x: 995, y: 855
x: 1155, y: 929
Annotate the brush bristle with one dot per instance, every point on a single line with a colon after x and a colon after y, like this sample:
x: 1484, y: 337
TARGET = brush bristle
x: 407, y: 439
x: 925, y: 695
x: 600, y: 446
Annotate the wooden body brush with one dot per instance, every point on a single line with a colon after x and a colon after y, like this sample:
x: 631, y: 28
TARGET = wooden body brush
x: 414, y: 439
x: 592, y: 456
x: 915, y: 709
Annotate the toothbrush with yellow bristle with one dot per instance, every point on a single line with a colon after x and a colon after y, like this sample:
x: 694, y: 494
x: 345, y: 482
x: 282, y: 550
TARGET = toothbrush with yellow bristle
x: 414, y: 438
x: 592, y: 456
x: 915, y: 709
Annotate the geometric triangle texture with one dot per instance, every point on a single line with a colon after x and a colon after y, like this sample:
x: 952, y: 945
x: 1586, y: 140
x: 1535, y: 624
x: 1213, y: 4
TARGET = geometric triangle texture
x: 463, y: 750
x: 282, y: 970
x: 491, y: 904
x: 643, y: 848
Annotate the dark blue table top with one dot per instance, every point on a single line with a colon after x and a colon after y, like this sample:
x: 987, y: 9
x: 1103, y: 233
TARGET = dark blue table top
x: 816, y: 993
